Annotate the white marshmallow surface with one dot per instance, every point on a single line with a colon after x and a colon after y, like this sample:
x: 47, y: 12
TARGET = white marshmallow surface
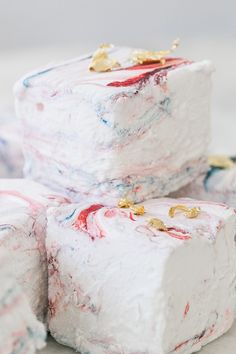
x: 140, y: 131
x: 20, y: 331
x: 218, y: 185
x: 118, y: 285
x: 23, y: 207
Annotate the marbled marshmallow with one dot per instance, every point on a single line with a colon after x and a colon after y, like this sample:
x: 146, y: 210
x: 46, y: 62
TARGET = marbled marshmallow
x: 118, y: 285
x: 217, y: 185
x: 20, y: 331
x: 139, y: 130
x: 23, y: 205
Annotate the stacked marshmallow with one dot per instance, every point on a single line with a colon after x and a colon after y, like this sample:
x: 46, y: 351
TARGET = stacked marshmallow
x: 23, y: 206
x: 139, y: 130
x: 20, y: 331
x: 119, y: 285
x: 219, y: 184
x: 119, y: 280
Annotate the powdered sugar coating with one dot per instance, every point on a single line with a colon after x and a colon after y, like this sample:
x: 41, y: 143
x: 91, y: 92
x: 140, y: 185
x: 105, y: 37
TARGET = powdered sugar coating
x: 23, y: 207
x: 140, y: 131
x: 20, y: 332
x: 117, y: 284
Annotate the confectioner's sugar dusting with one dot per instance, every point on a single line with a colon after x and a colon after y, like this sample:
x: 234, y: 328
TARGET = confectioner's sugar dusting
x: 62, y: 75
x: 93, y: 308
x: 23, y: 206
x: 20, y: 332
x: 96, y: 219
x: 140, y: 130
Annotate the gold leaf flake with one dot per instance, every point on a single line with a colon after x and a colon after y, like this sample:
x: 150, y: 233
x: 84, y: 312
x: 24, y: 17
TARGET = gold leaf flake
x: 138, y: 209
x: 149, y: 57
x: 220, y: 161
x: 188, y: 212
x: 101, y: 62
x: 193, y: 212
x: 157, y: 224
x: 125, y: 203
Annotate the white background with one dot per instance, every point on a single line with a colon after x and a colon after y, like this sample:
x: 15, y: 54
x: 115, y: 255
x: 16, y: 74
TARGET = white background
x: 141, y: 23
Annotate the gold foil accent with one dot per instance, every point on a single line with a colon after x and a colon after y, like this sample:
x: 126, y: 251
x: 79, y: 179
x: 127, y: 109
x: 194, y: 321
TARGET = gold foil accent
x: 101, y: 61
x: 157, y: 224
x: 220, y: 161
x: 138, y: 209
x: 125, y: 203
x: 149, y: 57
x: 188, y: 212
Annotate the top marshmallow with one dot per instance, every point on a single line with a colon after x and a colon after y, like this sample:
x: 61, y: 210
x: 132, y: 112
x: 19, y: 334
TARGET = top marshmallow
x: 139, y: 131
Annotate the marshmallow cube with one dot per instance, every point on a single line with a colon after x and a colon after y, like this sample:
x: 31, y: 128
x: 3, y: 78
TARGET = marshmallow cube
x: 218, y: 185
x: 139, y: 130
x: 117, y: 284
x: 20, y: 331
x: 23, y: 207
